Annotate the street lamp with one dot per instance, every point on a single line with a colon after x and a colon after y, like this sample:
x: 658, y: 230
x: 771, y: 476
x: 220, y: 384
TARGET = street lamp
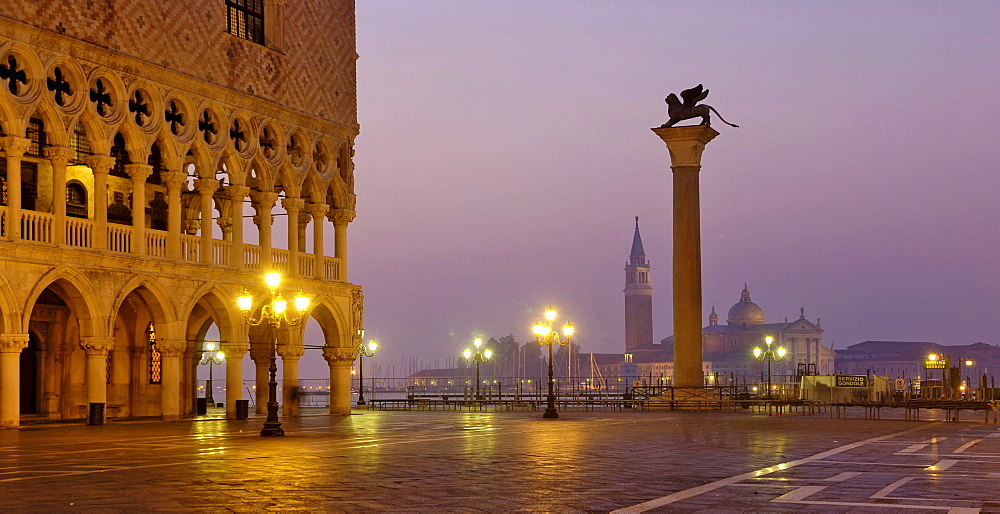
x: 478, y: 357
x: 546, y: 336
x: 364, y: 351
x: 769, y: 356
x: 273, y: 313
x: 212, y: 358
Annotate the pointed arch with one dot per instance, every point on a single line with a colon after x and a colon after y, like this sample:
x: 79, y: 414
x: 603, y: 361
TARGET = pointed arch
x: 82, y: 296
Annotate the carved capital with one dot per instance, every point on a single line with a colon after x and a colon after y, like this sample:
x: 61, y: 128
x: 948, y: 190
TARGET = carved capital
x: 265, y: 200
x: 234, y: 351
x: 317, y: 210
x: 139, y: 172
x: 341, y: 217
x: 173, y: 178
x: 206, y: 186
x: 292, y: 204
x: 96, y: 345
x: 100, y: 164
x: 237, y: 193
x: 59, y: 155
x: 171, y: 348
x: 15, y: 146
x: 291, y: 352
x: 342, y: 356
x: 13, y: 343
x: 686, y: 144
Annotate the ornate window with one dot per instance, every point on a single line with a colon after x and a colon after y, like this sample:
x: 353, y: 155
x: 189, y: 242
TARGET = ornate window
x: 120, y: 153
x: 36, y: 137
x: 79, y: 144
x: 245, y: 19
x: 154, y: 355
x: 76, y: 200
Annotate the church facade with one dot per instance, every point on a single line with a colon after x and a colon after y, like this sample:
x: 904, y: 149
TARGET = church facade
x: 157, y: 159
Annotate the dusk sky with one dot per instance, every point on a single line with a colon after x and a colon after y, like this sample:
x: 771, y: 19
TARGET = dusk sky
x: 505, y: 149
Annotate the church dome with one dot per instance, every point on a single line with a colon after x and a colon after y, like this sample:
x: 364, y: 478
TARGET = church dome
x: 746, y: 313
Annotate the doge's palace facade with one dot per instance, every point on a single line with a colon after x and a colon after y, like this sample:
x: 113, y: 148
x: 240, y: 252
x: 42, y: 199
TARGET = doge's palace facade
x: 157, y: 159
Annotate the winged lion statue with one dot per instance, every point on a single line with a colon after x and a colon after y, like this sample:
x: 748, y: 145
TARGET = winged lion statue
x: 685, y: 107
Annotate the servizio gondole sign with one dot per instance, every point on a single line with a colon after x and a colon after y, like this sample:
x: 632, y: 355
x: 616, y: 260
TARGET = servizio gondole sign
x: 850, y: 381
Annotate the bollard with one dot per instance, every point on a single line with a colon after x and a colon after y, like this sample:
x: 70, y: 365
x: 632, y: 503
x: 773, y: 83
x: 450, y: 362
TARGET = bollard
x: 242, y: 409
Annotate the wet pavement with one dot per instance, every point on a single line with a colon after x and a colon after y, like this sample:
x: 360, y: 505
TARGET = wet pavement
x: 506, y: 461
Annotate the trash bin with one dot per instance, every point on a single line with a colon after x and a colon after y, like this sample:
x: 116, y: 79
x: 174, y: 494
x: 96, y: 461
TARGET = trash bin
x: 201, y: 405
x: 96, y: 414
x: 242, y: 409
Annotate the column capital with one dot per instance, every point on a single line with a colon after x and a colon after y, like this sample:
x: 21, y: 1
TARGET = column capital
x: 341, y: 216
x: 686, y: 144
x: 317, y: 210
x: 13, y: 343
x: 237, y: 192
x: 339, y: 355
x: 58, y: 154
x: 168, y: 348
x: 100, y: 164
x: 138, y: 172
x: 206, y: 186
x: 291, y: 352
x: 173, y: 177
x: 290, y: 203
x: 97, y: 345
x: 234, y: 351
x: 266, y: 199
x: 15, y: 146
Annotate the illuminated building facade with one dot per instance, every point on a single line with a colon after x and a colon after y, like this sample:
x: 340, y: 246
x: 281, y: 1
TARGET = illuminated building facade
x: 147, y: 150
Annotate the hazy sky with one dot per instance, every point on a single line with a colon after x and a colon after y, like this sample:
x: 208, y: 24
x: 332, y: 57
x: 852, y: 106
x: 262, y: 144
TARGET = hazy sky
x: 505, y: 148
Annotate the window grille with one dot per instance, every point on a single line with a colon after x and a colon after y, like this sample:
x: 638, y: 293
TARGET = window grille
x: 154, y: 355
x: 76, y: 200
x: 245, y: 19
x: 120, y: 153
x: 36, y: 137
x: 79, y: 144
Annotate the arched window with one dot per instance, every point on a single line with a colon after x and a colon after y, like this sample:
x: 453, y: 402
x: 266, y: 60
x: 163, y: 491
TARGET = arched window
x: 156, y: 161
x: 154, y: 355
x: 79, y: 144
x: 120, y: 153
x: 76, y: 200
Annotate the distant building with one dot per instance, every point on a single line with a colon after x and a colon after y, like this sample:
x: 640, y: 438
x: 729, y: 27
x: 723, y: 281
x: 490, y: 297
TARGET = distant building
x: 905, y: 359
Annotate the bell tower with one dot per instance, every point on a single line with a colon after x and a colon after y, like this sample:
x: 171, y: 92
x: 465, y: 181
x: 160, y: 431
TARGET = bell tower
x: 638, y: 297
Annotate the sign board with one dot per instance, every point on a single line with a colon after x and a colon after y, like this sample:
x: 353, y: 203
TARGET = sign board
x: 900, y: 384
x: 938, y: 364
x: 850, y: 381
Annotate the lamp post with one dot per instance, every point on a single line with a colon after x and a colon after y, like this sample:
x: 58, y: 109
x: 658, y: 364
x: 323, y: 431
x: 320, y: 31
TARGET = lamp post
x: 273, y: 313
x: 546, y: 336
x: 364, y: 351
x: 769, y: 356
x: 211, y: 357
x: 478, y: 357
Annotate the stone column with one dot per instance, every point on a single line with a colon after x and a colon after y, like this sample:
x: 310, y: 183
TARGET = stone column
x: 174, y: 180
x: 170, y: 377
x: 14, y: 147
x: 686, y: 145
x: 100, y: 165
x: 263, y: 219
x: 139, y: 173
x: 59, y: 157
x: 261, y: 344
x: 236, y: 196
x: 290, y: 356
x: 10, y: 378
x: 340, y: 360
x: 234, y: 374
x: 206, y: 190
x: 318, y: 210
x: 293, y: 206
x: 96, y: 373
x: 340, y: 219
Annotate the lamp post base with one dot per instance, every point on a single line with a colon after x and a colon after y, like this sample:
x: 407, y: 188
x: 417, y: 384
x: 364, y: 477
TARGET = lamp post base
x: 272, y: 430
x: 550, y: 413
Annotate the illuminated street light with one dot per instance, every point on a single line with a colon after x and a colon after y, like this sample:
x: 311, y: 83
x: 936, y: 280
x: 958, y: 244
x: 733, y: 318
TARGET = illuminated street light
x: 544, y: 335
x: 479, y: 356
x: 364, y: 351
x: 212, y: 358
x: 769, y: 356
x: 273, y: 313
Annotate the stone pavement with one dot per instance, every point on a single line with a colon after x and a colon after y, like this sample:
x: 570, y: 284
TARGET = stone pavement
x: 506, y: 461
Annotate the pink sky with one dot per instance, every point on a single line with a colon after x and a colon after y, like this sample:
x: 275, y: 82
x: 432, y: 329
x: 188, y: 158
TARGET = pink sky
x: 505, y: 148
